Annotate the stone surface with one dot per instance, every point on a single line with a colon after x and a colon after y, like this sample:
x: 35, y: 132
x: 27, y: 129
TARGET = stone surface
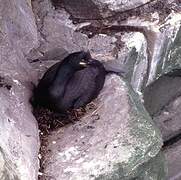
x: 165, y: 48
x: 173, y: 157
x: 135, y: 60
x: 161, y: 93
x: 81, y: 9
x: 58, y: 31
x: 162, y: 100
x: 168, y: 119
x: 19, y: 141
x: 97, y: 9
x: 119, y: 5
x: 155, y: 169
x: 110, y: 143
x: 174, y: 54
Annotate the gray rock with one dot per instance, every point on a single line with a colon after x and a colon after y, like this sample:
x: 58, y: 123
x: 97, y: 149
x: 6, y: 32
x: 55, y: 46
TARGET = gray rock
x: 102, y: 47
x: 134, y: 57
x: 19, y: 140
x: 59, y: 32
x: 6, y: 171
x: 118, y: 5
x: 82, y: 9
x: 173, y: 158
x: 110, y: 143
x: 97, y: 9
x: 161, y: 93
x: 166, y: 48
x: 18, y: 24
x: 56, y: 29
x: 155, y: 169
x: 131, y: 58
x: 162, y: 101
x: 168, y: 120
x: 174, y: 53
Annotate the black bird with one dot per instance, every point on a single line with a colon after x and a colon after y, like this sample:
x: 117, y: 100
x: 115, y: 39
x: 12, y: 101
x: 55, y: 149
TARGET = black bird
x: 72, y: 83
x: 84, y: 86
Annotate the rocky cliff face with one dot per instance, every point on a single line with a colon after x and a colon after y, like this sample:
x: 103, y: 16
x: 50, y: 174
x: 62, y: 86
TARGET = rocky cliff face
x: 19, y: 140
x: 116, y: 140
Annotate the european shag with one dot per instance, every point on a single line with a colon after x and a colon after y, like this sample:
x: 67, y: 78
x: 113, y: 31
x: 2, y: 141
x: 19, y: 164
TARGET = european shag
x: 72, y: 83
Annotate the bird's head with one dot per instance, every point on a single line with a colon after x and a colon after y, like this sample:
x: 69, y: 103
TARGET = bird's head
x: 79, y: 60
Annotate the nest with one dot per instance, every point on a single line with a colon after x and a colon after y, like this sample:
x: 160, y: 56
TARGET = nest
x: 49, y: 121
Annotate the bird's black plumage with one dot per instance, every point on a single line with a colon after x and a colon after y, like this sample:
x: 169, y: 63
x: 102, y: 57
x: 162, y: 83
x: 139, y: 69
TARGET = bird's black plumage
x: 69, y: 85
x: 85, y: 85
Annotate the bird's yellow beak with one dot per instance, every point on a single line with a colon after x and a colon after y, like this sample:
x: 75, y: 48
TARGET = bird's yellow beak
x: 84, y: 64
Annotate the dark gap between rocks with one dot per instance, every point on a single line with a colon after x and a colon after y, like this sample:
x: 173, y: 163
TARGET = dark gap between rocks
x: 171, y: 141
x: 49, y: 121
x: 4, y: 84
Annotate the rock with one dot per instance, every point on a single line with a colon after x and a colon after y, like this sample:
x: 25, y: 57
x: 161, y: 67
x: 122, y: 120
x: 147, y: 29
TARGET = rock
x: 166, y: 48
x: 81, y: 9
x: 102, y: 47
x: 19, y: 140
x: 173, y: 158
x: 56, y: 30
x: 120, y: 5
x: 20, y: 147
x: 5, y: 171
x: 61, y: 35
x: 155, y: 169
x: 110, y: 143
x: 161, y: 93
x: 127, y: 52
x: 168, y: 119
x: 162, y: 100
x: 174, y: 53
x: 18, y: 23
x: 135, y: 59
x: 97, y: 9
